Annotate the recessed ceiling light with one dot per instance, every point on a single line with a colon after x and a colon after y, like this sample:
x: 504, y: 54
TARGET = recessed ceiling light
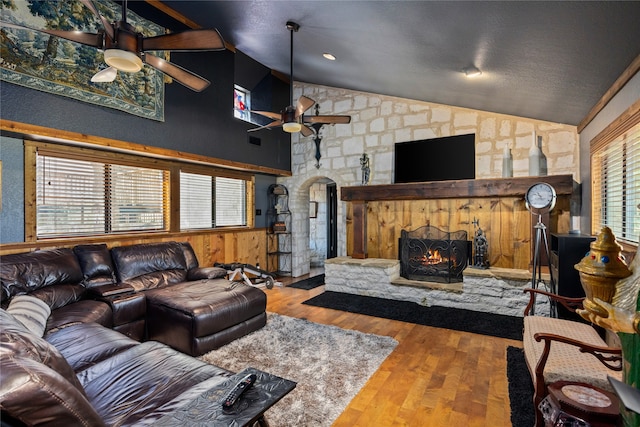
x: 471, y: 72
x: 329, y: 56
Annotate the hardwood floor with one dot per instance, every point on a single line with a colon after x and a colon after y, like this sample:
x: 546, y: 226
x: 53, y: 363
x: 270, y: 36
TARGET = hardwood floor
x: 435, y: 377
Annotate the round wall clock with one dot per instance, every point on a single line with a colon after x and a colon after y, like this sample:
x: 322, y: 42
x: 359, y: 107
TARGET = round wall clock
x: 540, y: 197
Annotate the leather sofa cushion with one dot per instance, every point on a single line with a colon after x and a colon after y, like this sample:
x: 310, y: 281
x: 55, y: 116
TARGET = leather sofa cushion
x: 135, y: 383
x: 60, y: 295
x: 84, y: 311
x: 136, y: 260
x: 35, y: 378
x: 16, y: 340
x: 211, y: 306
x: 201, y: 273
x: 96, y: 265
x: 26, y: 272
x: 157, y: 279
x: 85, y: 344
x: 189, y: 256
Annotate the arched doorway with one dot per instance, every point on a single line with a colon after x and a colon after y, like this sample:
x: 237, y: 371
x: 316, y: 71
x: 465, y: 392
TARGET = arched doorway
x: 323, y: 222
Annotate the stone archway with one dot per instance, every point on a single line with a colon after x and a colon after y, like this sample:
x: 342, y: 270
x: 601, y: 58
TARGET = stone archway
x: 299, y: 206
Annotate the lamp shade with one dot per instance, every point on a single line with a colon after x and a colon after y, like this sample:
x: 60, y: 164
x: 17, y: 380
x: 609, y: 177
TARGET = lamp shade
x: 289, y: 121
x: 292, y: 127
x: 123, y: 60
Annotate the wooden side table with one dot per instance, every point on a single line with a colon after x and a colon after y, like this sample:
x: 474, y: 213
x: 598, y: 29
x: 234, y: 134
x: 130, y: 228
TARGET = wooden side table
x: 207, y: 410
x: 579, y: 405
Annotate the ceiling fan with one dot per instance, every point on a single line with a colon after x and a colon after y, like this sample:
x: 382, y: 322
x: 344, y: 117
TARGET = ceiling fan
x: 126, y: 50
x: 292, y: 119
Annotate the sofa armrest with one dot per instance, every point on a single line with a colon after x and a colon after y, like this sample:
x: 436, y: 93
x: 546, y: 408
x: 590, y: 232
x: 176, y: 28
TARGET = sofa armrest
x: 200, y: 273
x: 109, y: 290
x: 570, y: 304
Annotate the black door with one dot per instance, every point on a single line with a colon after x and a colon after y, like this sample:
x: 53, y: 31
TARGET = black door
x: 332, y: 221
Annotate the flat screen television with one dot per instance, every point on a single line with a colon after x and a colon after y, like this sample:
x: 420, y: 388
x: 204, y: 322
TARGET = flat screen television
x: 436, y: 159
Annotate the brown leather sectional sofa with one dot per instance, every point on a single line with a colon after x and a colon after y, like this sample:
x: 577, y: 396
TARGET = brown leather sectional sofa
x: 91, y: 368
x: 152, y: 291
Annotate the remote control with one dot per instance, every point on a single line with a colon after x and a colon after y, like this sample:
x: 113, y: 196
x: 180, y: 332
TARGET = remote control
x: 238, y: 390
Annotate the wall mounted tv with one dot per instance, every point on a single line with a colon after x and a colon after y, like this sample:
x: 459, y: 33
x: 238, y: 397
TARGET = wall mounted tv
x: 437, y: 159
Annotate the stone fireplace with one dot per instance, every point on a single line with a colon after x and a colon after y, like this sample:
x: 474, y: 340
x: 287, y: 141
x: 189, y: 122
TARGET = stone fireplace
x: 433, y: 255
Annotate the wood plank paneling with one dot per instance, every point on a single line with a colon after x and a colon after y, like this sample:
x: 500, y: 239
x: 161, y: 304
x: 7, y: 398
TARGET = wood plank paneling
x: 245, y: 246
x: 497, y: 204
x: 505, y: 222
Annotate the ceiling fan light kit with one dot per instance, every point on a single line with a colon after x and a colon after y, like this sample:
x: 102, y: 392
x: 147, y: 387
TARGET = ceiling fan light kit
x: 104, y: 76
x: 126, y: 50
x: 290, y: 122
x: 291, y: 119
x: 123, y: 60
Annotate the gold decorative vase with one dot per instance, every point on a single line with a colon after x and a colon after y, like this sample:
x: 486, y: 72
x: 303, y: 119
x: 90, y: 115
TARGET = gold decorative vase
x: 600, y: 270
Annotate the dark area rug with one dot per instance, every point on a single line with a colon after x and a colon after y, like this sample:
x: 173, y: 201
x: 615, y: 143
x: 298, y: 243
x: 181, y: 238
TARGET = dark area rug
x: 496, y: 325
x: 520, y: 389
x: 309, y: 283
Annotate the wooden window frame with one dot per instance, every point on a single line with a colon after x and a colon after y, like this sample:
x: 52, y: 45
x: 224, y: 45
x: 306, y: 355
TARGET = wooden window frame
x: 31, y: 149
x: 627, y: 120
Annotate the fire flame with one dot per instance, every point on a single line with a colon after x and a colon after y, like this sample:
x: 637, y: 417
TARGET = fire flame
x: 432, y: 257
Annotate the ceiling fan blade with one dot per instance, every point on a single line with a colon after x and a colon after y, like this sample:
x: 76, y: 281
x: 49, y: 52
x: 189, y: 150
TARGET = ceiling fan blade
x: 108, y: 27
x: 179, y: 74
x: 185, y: 41
x: 327, y: 119
x: 306, y: 130
x: 89, y: 39
x: 303, y: 105
x: 274, y: 116
x: 267, y: 126
x: 107, y: 75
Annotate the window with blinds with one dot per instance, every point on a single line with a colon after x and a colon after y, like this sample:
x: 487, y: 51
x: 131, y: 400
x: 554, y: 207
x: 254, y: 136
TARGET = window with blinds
x: 212, y: 201
x: 77, y: 197
x: 615, y: 173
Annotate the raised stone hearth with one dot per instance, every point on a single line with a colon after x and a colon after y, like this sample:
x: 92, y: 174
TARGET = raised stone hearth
x: 495, y: 290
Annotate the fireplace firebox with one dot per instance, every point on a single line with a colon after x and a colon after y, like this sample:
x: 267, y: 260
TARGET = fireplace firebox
x: 429, y: 254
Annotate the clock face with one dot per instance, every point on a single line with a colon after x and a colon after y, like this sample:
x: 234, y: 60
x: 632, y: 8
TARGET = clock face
x: 540, y: 196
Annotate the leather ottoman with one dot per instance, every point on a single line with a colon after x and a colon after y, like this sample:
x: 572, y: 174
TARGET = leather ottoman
x: 197, y: 317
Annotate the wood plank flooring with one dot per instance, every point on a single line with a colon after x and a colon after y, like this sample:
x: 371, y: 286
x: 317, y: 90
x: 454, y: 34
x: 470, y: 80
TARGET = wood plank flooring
x: 435, y: 377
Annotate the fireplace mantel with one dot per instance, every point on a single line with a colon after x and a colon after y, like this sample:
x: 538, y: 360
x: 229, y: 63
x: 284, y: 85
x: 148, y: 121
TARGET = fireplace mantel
x: 502, y: 187
x: 472, y: 188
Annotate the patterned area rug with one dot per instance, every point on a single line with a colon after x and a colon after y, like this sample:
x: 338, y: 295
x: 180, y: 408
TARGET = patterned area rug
x: 329, y: 364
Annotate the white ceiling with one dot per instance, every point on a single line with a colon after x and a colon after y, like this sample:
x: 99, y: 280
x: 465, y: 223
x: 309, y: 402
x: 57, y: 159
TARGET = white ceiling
x: 548, y: 60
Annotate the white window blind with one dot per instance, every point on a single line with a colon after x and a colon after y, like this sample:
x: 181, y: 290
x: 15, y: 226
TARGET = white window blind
x: 77, y: 197
x: 196, y: 200
x: 615, y: 177
x: 209, y: 201
x: 231, y: 202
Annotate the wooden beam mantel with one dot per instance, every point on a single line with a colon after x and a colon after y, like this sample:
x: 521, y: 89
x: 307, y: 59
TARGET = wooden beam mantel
x: 472, y: 188
x: 492, y: 187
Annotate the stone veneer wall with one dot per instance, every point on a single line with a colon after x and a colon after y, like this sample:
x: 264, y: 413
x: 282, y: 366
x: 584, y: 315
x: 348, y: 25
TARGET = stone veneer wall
x: 378, y: 122
x: 482, y: 292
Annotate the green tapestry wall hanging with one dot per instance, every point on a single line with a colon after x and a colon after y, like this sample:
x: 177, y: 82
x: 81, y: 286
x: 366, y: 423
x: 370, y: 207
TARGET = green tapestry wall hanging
x: 50, y: 64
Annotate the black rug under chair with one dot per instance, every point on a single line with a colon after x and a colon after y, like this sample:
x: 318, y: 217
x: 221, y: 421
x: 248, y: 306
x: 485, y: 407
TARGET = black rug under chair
x: 520, y: 389
x: 497, y: 325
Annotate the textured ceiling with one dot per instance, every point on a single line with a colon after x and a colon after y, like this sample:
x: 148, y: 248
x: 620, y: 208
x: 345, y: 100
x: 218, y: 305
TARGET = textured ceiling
x: 543, y: 60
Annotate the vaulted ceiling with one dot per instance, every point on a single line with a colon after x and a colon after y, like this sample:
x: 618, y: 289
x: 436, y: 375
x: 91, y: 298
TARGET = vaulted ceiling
x: 543, y: 60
